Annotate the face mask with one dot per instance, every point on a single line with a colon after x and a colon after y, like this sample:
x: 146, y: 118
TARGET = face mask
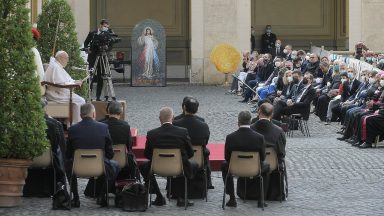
x: 362, y: 78
x: 350, y: 75
x: 278, y: 45
x: 371, y: 80
x: 368, y: 58
x: 381, y: 61
x: 374, y: 59
x: 382, y: 83
x: 343, y: 80
x: 298, y: 65
x: 318, y: 80
x: 307, y: 58
x: 277, y: 64
x: 104, y: 28
x: 269, y: 30
x: 293, y: 57
x: 285, y: 51
x: 305, y: 81
x: 290, y: 79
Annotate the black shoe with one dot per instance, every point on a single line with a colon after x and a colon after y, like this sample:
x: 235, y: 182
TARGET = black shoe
x: 181, y: 202
x: 357, y: 144
x: 352, y: 141
x: 211, y: 187
x: 75, y: 203
x: 365, y: 145
x: 259, y: 205
x: 159, y: 201
x: 231, y: 203
x: 342, y: 138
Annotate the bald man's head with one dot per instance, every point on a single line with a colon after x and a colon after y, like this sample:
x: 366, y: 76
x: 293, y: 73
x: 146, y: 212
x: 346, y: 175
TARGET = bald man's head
x: 166, y: 115
x: 266, y: 110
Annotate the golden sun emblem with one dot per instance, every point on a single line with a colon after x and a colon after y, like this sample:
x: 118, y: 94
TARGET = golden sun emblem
x: 225, y: 57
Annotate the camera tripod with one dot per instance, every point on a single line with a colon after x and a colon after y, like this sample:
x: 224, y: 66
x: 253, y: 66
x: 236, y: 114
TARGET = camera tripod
x: 102, y: 66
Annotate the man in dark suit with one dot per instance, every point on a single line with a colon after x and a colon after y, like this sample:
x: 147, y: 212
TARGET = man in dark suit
x: 278, y: 51
x: 90, y: 134
x: 168, y: 136
x: 183, y: 114
x: 120, y: 130
x: 244, y: 139
x: 274, y: 137
x: 197, y: 130
x: 301, y: 103
x: 268, y: 40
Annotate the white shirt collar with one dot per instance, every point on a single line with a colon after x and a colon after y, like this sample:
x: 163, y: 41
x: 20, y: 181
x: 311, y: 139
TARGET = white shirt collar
x: 245, y: 126
x: 264, y: 119
x: 166, y: 123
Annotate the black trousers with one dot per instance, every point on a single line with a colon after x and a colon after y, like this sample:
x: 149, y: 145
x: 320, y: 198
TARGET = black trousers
x: 322, y: 106
x: 375, y: 125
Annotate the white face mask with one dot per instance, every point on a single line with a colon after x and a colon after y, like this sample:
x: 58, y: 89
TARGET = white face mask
x: 318, y: 80
x: 285, y: 51
x: 382, y: 83
x: 343, y: 80
x: 290, y: 79
x: 307, y: 58
x: 104, y: 28
x: 350, y: 75
x: 371, y: 80
x: 277, y: 64
x: 278, y: 45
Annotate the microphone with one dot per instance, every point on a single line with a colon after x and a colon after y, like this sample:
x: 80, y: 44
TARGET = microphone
x: 78, y: 68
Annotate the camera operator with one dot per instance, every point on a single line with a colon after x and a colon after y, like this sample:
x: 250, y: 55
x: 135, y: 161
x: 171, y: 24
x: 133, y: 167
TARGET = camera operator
x: 94, y: 45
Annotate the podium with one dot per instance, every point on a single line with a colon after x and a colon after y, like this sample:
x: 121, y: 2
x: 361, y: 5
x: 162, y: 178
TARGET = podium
x: 101, y: 109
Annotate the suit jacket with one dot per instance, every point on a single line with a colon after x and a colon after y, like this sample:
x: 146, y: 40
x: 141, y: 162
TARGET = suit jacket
x: 280, y: 52
x: 244, y: 139
x: 89, y: 134
x: 169, y: 136
x: 198, y: 130
x: 182, y: 116
x: 120, y: 131
x: 267, y: 42
x: 304, y: 105
x: 274, y: 136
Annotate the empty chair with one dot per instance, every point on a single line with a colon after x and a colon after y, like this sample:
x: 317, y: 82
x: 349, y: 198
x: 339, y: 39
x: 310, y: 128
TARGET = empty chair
x: 247, y: 165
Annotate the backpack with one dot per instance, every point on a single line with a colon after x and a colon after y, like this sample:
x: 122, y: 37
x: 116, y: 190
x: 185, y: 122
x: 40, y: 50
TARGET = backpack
x: 133, y: 197
x: 61, y: 199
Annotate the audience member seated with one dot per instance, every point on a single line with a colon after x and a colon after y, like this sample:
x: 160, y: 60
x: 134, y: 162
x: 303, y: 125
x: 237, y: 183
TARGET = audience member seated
x: 244, y: 139
x: 288, y: 52
x: 56, y: 74
x: 274, y: 137
x: 168, y: 136
x: 278, y: 51
x: 300, y: 103
x: 354, y: 109
x: 186, y: 98
x: 313, y: 66
x: 120, y: 132
x: 90, y: 134
x: 198, y: 131
x: 39, y: 181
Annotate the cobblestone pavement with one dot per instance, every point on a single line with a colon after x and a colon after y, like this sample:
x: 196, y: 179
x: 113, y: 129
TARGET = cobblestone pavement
x: 326, y: 176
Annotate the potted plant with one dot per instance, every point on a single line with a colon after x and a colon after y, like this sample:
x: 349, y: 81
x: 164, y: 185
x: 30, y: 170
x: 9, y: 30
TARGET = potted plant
x: 22, y: 124
x: 59, y: 12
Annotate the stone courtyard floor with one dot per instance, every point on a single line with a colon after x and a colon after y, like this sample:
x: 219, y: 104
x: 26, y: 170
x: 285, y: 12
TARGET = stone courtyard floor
x: 326, y: 176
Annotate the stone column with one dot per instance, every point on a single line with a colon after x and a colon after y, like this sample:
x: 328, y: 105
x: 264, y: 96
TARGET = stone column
x: 365, y: 23
x: 214, y: 22
x: 81, y: 13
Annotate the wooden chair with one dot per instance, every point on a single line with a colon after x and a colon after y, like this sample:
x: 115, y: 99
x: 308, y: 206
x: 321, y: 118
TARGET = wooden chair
x: 61, y: 110
x: 198, y: 157
x: 89, y: 163
x: 167, y: 163
x: 247, y: 165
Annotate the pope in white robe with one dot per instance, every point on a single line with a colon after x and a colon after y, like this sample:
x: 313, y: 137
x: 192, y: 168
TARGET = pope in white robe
x: 56, y: 74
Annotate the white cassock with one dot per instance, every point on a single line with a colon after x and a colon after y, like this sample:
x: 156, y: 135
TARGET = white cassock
x: 39, y: 67
x: 56, y: 74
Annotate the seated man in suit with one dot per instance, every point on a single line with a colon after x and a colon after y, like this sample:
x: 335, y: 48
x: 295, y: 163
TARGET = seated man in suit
x: 198, y: 131
x: 300, y: 103
x: 183, y: 114
x: 168, y: 136
x: 274, y: 137
x: 90, y: 134
x: 244, y: 139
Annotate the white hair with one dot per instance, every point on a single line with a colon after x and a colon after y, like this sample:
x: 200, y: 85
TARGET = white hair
x: 60, y: 53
